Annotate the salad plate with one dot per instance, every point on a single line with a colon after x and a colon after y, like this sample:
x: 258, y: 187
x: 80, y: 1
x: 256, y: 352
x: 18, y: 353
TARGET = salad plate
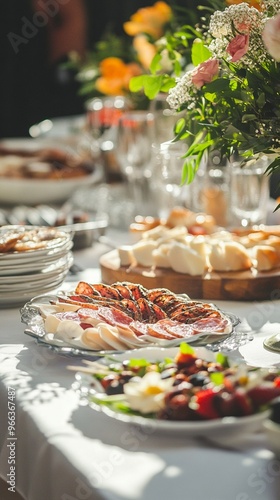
x: 92, y: 393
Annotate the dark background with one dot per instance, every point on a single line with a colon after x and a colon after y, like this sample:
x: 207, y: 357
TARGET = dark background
x: 31, y: 89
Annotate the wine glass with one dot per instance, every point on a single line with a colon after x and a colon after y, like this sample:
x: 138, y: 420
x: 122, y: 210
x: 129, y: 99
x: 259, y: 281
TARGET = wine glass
x: 166, y: 185
x: 102, y: 115
x: 134, y: 139
x: 165, y: 118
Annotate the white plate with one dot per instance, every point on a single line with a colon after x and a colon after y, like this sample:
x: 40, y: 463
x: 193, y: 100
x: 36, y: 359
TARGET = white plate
x: 211, y: 429
x: 35, y: 284
x: 23, y: 264
x: 20, y: 297
x: 37, y: 191
x: 32, y: 276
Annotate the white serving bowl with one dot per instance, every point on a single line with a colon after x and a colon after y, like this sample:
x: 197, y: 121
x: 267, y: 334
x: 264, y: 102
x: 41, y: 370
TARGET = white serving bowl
x: 33, y: 191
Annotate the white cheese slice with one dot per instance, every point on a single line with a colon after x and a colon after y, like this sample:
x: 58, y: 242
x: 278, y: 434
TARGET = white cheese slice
x: 143, y: 252
x: 126, y: 255
x: 185, y: 260
x: 161, y: 256
x: 265, y: 258
x: 229, y: 256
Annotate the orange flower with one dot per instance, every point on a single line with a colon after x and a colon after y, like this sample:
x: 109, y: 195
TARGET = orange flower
x: 145, y: 50
x: 149, y: 20
x: 252, y: 3
x: 115, y: 76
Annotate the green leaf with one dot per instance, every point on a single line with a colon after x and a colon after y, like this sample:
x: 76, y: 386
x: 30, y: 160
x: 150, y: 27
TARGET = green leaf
x: 222, y: 359
x: 180, y: 125
x: 137, y: 83
x: 248, y: 118
x: 200, y: 53
x: 155, y: 64
x: 261, y: 100
x: 218, y: 85
x: 186, y: 349
x: 217, y: 378
x: 138, y: 362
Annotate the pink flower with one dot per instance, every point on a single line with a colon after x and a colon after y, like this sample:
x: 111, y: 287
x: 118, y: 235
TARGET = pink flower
x: 205, y: 72
x: 238, y: 47
x: 271, y: 37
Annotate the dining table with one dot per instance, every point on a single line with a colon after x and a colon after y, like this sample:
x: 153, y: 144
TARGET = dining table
x: 55, y: 447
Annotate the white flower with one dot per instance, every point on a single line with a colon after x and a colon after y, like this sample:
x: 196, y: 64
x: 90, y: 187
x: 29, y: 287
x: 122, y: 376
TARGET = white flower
x: 147, y: 394
x: 271, y: 37
x: 181, y: 93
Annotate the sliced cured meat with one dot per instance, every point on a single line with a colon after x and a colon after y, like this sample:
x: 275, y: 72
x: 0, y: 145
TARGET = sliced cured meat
x: 170, y: 304
x: 107, y: 291
x: 158, y: 312
x: 139, y: 328
x: 147, y: 312
x: 186, y: 314
x: 123, y: 290
x: 71, y: 315
x: 78, y: 301
x: 90, y: 316
x: 166, y: 300
x: 159, y: 331
x: 84, y: 288
x: 136, y: 290
x: 127, y: 315
x: 177, y: 329
x: 131, y: 308
x: 169, y: 330
x: 185, y: 317
x: 212, y: 324
x: 114, y: 316
x: 157, y: 292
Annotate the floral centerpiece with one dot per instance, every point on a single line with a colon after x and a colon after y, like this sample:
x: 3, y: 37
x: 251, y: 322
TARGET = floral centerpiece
x: 231, y: 94
x: 115, y: 60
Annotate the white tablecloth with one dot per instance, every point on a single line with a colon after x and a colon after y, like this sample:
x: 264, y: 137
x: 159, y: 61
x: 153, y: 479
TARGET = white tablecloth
x: 65, y: 451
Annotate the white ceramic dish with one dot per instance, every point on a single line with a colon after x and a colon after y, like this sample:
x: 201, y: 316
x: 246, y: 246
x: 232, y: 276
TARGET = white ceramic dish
x: 15, y: 191
x: 272, y: 432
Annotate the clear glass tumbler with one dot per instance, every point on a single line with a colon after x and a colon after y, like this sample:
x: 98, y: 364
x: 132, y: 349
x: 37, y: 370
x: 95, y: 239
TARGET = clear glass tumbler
x: 249, y: 192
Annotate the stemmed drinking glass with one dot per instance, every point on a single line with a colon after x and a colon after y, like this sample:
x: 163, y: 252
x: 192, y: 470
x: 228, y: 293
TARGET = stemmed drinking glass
x: 134, y: 139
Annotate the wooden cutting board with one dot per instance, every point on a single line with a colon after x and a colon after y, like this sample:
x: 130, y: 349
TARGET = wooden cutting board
x: 243, y: 285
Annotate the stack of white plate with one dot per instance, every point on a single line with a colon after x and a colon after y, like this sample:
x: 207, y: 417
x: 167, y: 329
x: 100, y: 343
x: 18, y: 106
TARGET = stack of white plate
x: 26, y: 273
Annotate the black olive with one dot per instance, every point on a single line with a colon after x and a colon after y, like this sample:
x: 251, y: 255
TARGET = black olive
x: 198, y: 379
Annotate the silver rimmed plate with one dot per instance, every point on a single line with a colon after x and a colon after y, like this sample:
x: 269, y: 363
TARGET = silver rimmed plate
x: 31, y: 315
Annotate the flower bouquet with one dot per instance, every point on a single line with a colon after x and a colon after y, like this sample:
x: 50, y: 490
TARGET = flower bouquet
x: 115, y: 60
x: 231, y: 94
